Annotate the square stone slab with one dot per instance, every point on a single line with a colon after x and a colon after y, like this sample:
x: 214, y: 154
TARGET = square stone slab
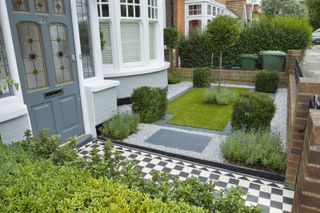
x: 179, y: 140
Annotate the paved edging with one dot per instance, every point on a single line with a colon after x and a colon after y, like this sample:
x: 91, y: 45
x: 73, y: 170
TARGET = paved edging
x: 226, y: 166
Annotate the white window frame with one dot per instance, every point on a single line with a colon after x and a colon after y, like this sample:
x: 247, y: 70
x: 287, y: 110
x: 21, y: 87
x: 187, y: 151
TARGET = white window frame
x: 195, y: 9
x: 153, y: 5
x: 209, y: 9
x: 134, y: 4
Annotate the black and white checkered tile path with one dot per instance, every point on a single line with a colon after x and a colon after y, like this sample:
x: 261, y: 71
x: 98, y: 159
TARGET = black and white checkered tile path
x: 271, y: 196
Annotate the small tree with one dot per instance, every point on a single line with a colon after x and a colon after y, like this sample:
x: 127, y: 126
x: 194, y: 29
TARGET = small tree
x: 222, y: 32
x: 171, y: 40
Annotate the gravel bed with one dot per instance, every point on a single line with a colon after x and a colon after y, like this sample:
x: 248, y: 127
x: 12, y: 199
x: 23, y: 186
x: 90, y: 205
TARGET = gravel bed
x: 212, y: 152
x: 279, y: 122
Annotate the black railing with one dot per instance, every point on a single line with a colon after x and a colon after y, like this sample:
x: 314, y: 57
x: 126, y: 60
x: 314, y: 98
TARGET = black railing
x: 298, y: 71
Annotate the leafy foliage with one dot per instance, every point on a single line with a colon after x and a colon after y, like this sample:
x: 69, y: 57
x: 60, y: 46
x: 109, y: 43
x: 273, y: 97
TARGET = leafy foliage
x: 314, y: 12
x: 272, y: 33
x: 222, y: 32
x: 284, y: 8
x: 49, y: 147
x: 32, y: 185
x: 150, y: 103
x: 252, y: 111
x: 173, y: 78
x: 101, y: 184
x: 256, y: 148
x: 120, y: 126
x: 267, y: 81
x: 223, y: 97
x: 202, y: 77
x: 171, y: 37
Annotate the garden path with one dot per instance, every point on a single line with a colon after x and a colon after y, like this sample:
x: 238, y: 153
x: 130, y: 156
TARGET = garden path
x: 271, y: 196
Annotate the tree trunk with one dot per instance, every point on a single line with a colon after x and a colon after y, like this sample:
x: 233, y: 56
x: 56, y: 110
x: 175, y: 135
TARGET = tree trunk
x: 171, y: 58
x: 220, y: 72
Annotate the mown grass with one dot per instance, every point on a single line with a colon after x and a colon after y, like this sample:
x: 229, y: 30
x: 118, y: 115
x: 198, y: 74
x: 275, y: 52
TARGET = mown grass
x: 189, y: 109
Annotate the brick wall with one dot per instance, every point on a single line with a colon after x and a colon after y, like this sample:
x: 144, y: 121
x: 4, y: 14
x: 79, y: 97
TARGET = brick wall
x: 240, y: 77
x: 307, y: 192
x: 307, y: 88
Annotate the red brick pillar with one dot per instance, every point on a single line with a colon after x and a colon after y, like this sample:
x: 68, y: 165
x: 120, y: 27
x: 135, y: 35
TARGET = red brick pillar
x: 307, y: 192
x: 291, y: 60
x: 307, y: 88
x: 179, y: 16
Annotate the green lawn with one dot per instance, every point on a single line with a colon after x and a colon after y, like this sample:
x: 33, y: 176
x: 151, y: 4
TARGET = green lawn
x: 189, y: 110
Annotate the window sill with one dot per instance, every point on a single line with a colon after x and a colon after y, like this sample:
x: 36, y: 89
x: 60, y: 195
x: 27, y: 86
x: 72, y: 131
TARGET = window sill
x: 96, y: 85
x: 137, y: 70
x: 12, y: 107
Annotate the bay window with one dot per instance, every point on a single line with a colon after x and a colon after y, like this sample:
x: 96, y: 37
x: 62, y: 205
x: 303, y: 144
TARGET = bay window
x: 105, y: 31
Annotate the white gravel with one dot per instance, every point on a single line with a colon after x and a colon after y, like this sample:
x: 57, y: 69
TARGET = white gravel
x: 279, y: 122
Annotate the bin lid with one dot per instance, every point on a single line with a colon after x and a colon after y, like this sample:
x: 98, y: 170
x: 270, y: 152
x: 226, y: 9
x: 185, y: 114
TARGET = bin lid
x: 273, y: 53
x: 253, y: 56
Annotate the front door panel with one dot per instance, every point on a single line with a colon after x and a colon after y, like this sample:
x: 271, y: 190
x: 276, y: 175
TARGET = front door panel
x: 43, y: 38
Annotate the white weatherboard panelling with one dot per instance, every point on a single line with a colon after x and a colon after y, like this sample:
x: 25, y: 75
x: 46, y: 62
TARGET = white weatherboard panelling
x: 13, y: 130
x: 128, y: 83
x: 130, y: 40
x: 103, y: 106
x: 107, y: 49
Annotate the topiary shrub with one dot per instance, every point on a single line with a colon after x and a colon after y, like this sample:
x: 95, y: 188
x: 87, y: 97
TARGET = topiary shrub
x: 150, y: 103
x: 252, y: 111
x: 256, y: 148
x: 223, y: 97
x: 120, y: 126
x: 267, y: 81
x: 202, y: 77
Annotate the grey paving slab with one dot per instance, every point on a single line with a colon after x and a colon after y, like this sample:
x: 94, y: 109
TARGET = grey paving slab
x: 179, y: 140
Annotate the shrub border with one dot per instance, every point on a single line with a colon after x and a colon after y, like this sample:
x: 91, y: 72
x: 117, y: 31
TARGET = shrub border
x: 227, y: 166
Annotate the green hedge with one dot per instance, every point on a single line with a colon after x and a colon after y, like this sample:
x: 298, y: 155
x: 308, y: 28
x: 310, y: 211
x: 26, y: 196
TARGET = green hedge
x: 252, y: 111
x: 120, y: 126
x: 150, y: 103
x: 41, y: 184
x: 267, y: 81
x: 173, y: 78
x: 30, y: 185
x: 202, y: 77
x: 272, y: 33
x: 255, y: 149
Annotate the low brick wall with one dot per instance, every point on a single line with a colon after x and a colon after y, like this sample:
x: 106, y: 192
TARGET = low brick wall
x: 240, y: 77
x: 298, y: 134
x: 307, y: 191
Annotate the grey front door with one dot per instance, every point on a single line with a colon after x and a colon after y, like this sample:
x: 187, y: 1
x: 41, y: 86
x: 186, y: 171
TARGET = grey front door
x: 43, y: 37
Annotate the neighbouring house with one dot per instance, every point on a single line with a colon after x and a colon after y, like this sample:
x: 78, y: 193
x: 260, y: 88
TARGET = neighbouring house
x: 75, y: 61
x: 189, y: 15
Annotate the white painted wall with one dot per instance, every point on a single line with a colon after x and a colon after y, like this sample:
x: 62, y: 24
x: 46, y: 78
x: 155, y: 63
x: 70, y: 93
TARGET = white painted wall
x: 13, y: 113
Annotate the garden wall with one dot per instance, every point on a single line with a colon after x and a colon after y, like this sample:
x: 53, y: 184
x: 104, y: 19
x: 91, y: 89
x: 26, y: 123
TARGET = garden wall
x: 241, y: 77
x: 307, y: 191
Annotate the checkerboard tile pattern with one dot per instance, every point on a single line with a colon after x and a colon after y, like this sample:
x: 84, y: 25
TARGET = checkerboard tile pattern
x: 271, y: 196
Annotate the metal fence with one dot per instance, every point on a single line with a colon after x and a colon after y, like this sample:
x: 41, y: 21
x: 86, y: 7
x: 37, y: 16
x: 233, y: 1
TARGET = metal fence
x: 298, y: 71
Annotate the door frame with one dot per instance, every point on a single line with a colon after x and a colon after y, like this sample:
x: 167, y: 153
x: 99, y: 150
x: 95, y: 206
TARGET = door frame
x: 74, y: 45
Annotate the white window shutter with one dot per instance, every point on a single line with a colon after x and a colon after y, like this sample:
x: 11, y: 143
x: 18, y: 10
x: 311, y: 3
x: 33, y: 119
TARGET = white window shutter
x: 152, y: 40
x: 130, y: 42
x: 107, y: 50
